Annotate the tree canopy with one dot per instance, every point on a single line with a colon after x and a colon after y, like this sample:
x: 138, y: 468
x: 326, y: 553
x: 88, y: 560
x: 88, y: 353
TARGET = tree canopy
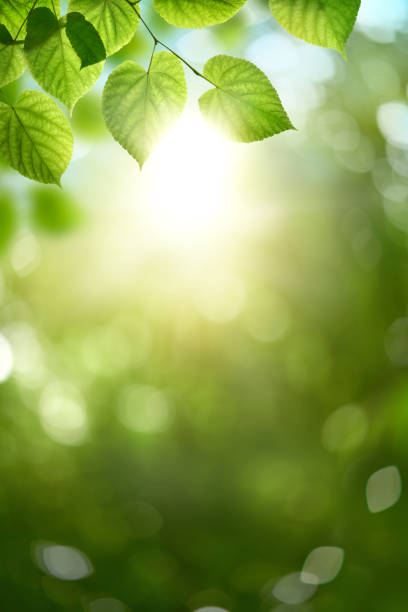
x: 66, y: 53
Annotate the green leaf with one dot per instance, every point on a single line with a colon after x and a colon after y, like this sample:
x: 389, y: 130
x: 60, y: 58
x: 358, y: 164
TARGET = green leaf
x: 56, y: 67
x: 14, y: 12
x: 139, y: 106
x: 41, y: 25
x: 35, y: 137
x: 85, y: 40
x: 5, y: 36
x: 12, y: 60
x: 197, y: 13
x: 244, y: 105
x: 327, y: 23
x: 115, y: 20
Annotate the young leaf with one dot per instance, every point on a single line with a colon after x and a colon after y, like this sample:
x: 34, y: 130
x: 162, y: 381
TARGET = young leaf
x: 55, y: 65
x: 140, y: 106
x: 85, y: 40
x: 14, y: 12
x: 35, y: 137
x: 197, y: 13
x: 243, y: 104
x: 12, y: 61
x: 328, y: 23
x: 115, y: 20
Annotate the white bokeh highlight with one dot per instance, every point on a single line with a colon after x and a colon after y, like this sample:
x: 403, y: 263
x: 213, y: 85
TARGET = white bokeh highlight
x: 383, y: 489
x: 322, y: 565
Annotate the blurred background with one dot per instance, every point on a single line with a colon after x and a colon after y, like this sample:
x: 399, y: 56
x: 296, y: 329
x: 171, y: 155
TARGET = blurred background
x: 203, y: 366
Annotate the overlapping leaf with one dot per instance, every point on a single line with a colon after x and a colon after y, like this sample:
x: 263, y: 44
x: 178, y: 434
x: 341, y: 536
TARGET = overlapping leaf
x: 115, y: 20
x: 35, y: 137
x: 54, y: 63
x: 12, y: 61
x: 327, y: 23
x: 85, y: 40
x: 140, y: 106
x: 13, y: 13
x: 41, y: 25
x: 243, y: 104
x: 197, y: 13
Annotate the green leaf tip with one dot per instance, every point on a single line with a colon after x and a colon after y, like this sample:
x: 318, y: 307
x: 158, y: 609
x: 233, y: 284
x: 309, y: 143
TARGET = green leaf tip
x: 244, y: 104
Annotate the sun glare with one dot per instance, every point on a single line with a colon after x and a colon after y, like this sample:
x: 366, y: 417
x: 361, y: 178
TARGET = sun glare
x: 186, y: 198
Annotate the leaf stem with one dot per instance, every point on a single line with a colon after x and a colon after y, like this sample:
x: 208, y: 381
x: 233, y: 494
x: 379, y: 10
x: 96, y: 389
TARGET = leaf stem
x: 151, y: 58
x: 27, y: 16
x: 157, y: 41
x: 53, y: 8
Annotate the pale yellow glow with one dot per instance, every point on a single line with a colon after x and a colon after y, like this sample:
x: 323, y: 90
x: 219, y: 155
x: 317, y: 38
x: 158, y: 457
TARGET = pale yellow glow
x: 186, y: 183
x: 174, y: 233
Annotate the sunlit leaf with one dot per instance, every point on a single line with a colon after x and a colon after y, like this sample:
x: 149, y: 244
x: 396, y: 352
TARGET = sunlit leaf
x: 243, y: 104
x: 85, y: 40
x: 12, y: 61
x: 327, y: 23
x: 55, y: 65
x: 140, y: 106
x: 115, y: 20
x: 197, y: 13
x: 13, y: 13
x: 35, y: 137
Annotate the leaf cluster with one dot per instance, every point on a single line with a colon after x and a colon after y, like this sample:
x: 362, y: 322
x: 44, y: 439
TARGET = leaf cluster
x: 66, y: 54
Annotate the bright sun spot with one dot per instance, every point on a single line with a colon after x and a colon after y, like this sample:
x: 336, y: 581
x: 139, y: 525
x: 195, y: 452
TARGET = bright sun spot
x: 186, y: 199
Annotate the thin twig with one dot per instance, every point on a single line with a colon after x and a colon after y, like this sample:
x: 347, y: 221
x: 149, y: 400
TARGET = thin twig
x: 157, y: 41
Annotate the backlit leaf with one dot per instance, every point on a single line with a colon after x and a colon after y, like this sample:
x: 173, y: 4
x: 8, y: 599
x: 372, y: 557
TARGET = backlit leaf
x: 244, y: 105
x: 56, y: 67
x: 327, y: 23
x: 197, y: 13
x: 35, y: 137
x: 115, y: 20
x: 14, y: 12
x: 12, y: 61
x: 140, y: 106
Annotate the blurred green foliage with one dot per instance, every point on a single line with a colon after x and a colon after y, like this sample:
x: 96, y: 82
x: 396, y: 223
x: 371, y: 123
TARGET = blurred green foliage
x: 54, y: 210
x: 7, y: 221
x: 195, y: 463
